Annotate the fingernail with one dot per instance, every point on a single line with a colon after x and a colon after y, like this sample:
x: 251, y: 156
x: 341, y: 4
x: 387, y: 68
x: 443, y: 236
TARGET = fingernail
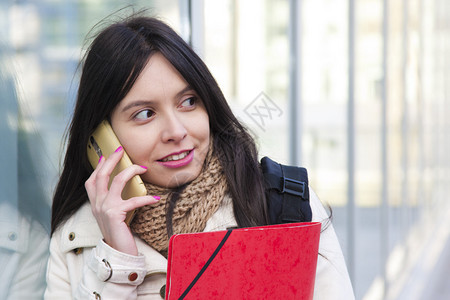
x: 100, y: 159
x: 118, y: 149
x: 157, y: 197
x: 144, y: 167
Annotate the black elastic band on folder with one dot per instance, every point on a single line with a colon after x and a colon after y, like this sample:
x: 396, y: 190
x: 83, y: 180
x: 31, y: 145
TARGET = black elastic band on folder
x: 200, y: 273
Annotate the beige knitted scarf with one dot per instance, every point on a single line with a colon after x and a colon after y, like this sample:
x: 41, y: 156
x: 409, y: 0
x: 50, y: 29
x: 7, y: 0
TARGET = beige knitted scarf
x: 197, y: 203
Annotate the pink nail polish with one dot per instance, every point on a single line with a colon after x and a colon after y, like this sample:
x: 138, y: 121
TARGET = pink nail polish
x: 100, y: 159
x: 144, y: 167
x: 119, y: 149
x: 157, y: 197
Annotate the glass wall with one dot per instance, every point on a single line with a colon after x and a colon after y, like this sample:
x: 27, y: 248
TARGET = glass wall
x: 365, y: 84
x: 371, y: 90
x: 247, y: 50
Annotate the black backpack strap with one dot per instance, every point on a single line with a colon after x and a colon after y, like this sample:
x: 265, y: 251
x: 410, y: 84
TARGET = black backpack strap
x: 295, y: 185
x: 287, y: 192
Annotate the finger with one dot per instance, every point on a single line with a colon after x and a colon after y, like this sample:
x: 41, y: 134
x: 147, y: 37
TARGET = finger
x: 101, y: 162
x: 121, y: 179
x: 105, y: 169
x: 91, y: 181
x: 117, y: 213
x: 137, y: 202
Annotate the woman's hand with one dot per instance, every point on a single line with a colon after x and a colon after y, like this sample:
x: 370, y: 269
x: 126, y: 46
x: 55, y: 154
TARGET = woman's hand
x: 108, y: 206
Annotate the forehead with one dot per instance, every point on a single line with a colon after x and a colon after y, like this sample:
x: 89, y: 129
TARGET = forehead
x: 158, y: 76
x: 158, y: 69
x: 159, y: 81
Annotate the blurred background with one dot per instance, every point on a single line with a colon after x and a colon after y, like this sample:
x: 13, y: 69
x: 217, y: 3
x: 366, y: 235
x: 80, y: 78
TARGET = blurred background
x: 355, y: 91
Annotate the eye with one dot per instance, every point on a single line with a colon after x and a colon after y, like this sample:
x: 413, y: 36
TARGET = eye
x: 144, y: 114
x: 189, y: 102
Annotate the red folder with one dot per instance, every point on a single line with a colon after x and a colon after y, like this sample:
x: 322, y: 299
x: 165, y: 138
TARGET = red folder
x: 268, y: 262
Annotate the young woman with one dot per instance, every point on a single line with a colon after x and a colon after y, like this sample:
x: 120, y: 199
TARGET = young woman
x: 199, y: 165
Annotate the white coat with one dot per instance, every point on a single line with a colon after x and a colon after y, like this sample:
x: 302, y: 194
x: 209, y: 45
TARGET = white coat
x: 76, y: 268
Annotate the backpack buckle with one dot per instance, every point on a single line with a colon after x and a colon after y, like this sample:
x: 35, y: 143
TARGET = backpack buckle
x: 293, y: 187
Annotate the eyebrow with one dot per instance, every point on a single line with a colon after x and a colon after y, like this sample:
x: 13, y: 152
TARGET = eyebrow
x: 186, y: 89
x: 149, y: 102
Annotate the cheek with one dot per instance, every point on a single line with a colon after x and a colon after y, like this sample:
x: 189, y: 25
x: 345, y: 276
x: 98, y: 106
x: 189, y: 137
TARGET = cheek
x: 202, y: 127
x: 205, y: 133
x: 138, y: 147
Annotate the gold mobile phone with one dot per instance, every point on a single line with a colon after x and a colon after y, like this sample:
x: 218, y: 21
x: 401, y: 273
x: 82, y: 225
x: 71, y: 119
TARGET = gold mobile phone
x: 103, y: 142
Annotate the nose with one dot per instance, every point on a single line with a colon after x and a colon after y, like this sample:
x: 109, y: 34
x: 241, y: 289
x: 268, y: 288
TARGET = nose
x: 174, y: 129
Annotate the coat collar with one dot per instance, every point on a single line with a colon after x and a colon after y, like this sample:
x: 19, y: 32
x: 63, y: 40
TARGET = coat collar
x: 82, y: 231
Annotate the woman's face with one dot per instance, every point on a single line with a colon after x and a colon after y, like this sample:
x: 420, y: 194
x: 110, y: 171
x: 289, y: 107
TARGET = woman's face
x: 163, y: 125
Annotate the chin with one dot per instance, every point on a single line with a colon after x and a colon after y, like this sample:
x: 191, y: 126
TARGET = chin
x: 180, y: 178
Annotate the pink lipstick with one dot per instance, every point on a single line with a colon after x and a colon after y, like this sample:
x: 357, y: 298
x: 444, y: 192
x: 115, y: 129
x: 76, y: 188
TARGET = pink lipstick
x: 177, y: 160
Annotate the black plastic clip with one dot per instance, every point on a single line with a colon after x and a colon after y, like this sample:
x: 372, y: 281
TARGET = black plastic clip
x: 294, y: 187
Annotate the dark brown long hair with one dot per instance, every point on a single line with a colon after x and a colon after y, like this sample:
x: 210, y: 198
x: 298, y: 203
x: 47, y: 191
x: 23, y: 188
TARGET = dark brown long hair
x: 112, y: 64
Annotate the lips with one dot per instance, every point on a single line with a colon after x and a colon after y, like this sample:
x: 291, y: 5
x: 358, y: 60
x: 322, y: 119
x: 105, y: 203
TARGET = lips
x: 176, y: 156
x: 177, y: 160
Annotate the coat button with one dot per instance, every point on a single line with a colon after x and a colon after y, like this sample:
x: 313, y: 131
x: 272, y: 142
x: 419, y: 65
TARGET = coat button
x: 78, y: 251
x: 71, y: 236
x: 12, y: 236
x: 162, y: 292
x: 132, y: 276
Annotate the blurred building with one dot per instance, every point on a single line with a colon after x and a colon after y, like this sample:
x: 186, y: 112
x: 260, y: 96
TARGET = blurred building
x: 355, y: 91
